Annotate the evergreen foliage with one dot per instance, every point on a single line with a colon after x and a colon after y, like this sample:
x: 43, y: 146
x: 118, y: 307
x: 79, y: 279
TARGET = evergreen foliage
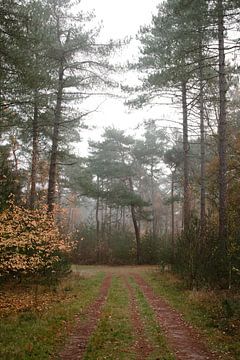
x: 161, y: 197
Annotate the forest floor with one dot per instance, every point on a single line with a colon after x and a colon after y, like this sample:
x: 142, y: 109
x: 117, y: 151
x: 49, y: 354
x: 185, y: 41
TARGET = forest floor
x: 102, y: 312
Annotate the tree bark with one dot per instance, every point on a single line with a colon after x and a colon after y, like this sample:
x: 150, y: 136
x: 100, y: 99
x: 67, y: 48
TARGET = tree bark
x: 137, y: 233
x: 98, y: 223
x: 202, y: 141
x: 222, y: 125
x: 153, y: 209
x: 110, y: 221
x: 123, y: 218
x: 172, y: 213
x: 136, y: 227
x: 55, y: 141
x: 35, y: 140
x: 186, y: 192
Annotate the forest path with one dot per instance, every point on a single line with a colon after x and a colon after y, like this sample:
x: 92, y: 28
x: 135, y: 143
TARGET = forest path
x: 80, y: 334
x: 183, y: 341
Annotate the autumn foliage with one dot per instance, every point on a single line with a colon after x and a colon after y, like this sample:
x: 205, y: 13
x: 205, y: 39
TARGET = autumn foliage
x: 30, y: 242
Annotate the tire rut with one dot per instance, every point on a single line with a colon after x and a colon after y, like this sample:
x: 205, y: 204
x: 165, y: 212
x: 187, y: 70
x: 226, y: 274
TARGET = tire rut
x: 142, y: 347
x: 181, y: 337
x: 80, y: 334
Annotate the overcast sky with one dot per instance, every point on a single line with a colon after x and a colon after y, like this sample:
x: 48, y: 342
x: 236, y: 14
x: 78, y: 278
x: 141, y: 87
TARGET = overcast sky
x: 120, y: 19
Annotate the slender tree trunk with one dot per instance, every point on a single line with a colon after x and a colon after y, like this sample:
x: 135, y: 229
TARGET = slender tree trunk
x: 105, y: 222
x: 167, y: 220
x: 172, y: 212
x: 186, y: 190
x: 153, y: 210
x: 35, y: 140
x: 110, y: 218
x: 110, y: 224
x: 55, y: 141
x: 123, y: 218
x: 116, y: 218
x: 222, y: 125
x: 136, y: 227
x: 14, y: 146
x: 202, y: 140
x: 137, y: 233
x: 98, y: 223
x: 102, y: 227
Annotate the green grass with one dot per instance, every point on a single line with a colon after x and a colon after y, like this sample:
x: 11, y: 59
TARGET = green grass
x: 32, y: 335
x: 205, y: 310
x: 113, y: 339
x: 40, y: 334
x: 152, y: 329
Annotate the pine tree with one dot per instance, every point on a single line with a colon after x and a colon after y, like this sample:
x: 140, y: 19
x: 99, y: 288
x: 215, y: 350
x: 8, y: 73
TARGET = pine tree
x: 167, y: 61
x: 81, y: 65
x: 149, y: 153
x: 116, y: 172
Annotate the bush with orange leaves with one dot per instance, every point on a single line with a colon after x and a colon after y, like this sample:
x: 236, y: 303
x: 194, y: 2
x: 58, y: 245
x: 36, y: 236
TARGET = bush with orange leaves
x: 30, y: 242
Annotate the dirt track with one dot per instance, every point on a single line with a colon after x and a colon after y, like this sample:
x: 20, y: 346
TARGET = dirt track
x: 183, y: 340
x: 82, y: 331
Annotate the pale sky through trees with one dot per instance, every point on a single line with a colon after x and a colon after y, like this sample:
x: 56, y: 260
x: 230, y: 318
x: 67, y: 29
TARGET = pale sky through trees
x: 121, y: 19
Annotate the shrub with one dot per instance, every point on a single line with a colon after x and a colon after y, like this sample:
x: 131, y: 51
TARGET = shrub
x: 30, y: 242
x: 151, y: 248
x: 117, y: 247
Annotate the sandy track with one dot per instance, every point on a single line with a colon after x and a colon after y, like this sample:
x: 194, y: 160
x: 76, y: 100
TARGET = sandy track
x: 141, y: 346
x: 183, y: 340
x: 80, y: 334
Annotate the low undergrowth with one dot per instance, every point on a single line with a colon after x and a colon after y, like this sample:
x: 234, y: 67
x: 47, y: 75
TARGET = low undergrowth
x: 215, y: 313
x: 35, y: 330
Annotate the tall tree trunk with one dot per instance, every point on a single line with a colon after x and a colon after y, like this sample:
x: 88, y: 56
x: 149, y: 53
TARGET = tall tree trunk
x: 123, y: 218
x: 186, y: 190
x: 103, y: 217
x: 109, y: 218
x: 137, y: 233
x: 136, y: 227
x: 222, y: 125
x: 110, y: 221
x: 98, y: 222
x: 172, y: 212
x: 202, y: 141
x: 35, y: 140
x: 55, y: 141
x: 105, y: 222
x: 116, y: 218
x: 153, y: 209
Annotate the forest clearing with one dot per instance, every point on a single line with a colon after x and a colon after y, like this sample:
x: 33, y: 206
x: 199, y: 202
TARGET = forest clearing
x: 129, y: 312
